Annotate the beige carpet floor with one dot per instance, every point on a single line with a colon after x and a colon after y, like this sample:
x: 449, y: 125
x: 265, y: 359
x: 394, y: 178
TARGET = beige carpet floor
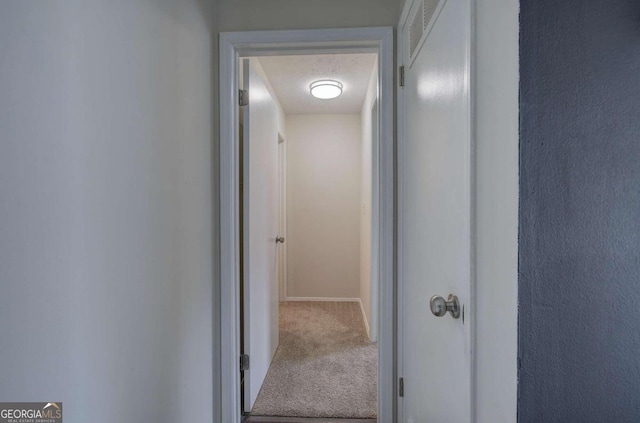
x: 325, y: 365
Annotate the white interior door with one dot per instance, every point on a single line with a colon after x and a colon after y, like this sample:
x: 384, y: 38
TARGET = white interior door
x: 261, y: 198
x: 435, y: 212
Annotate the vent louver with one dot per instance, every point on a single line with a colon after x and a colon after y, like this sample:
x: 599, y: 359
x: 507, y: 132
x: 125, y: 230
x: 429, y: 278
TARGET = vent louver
x: 416, y: 29
x: 429, y: 8
x: 421, y: 19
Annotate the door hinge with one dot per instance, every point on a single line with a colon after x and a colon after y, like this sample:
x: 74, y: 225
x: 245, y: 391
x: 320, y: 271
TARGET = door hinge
x: 401, y: 387
x: 243, y: 97
x: 401, y: 76
x: 244, y: 362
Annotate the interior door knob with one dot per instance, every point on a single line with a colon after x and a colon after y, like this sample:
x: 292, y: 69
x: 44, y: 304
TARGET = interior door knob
x: 280, y: 239
x: 440, y: 306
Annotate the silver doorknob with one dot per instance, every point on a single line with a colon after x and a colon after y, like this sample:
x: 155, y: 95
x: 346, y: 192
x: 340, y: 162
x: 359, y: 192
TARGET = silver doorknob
x: 440, y: 306
x: 280, y: 239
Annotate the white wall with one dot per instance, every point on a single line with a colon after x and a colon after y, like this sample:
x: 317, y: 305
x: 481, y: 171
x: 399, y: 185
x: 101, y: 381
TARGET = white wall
x: 282, y: 131
x: 106, y: 212
x: 369, y: 301
x: 496, y: 106
x: 323, y: 205
x: 282, y: 127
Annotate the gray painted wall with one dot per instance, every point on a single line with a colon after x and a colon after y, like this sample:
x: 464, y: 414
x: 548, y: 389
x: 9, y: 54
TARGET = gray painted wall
x: 106, y: 209
x: 250, y: 15
x: 579, y: 276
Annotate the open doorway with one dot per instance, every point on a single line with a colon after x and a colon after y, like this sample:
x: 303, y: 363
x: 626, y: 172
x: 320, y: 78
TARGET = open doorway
x: 279, y: 43
x: 309, y: 273
x: 286, y: 43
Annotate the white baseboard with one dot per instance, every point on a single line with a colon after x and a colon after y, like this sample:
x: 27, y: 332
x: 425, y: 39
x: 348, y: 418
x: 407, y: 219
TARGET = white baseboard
x: 348, y: 300
x: 364, y: 317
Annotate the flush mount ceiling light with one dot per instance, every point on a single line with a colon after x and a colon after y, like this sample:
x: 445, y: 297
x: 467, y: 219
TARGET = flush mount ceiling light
x: 326, y: 89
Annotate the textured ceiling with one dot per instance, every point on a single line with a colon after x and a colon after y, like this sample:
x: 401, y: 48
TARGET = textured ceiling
x: 290, y: 77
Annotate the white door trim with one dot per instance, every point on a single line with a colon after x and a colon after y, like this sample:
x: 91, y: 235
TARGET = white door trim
x: 282, y: 216
x: 374, y: 279
x: 238, y: 44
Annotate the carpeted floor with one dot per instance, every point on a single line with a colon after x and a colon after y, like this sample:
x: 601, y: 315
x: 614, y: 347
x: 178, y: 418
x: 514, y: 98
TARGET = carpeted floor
x: 325, y: 365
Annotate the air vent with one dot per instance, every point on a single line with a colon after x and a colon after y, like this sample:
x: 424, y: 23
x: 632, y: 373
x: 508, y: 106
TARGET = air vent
x: 429, y: 7
x: 416, y: 29
x: 421, y: 20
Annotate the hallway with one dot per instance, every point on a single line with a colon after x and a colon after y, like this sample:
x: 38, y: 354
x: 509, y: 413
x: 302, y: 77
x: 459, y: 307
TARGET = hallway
x: 325, y: 365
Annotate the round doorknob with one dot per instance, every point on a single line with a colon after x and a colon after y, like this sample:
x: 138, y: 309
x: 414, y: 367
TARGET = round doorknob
x: 440, y: 306
x: 280, y: 239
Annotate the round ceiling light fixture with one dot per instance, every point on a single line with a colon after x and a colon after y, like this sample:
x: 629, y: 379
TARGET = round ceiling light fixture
x: 326, y: 89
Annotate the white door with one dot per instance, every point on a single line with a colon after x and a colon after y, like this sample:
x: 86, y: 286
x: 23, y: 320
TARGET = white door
x: 261, y: 198
x: 435, y: 212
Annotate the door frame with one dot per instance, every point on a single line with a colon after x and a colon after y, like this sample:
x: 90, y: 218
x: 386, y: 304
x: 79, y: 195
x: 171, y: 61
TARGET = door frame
x: 234, y: 45
x: 282, y: 217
